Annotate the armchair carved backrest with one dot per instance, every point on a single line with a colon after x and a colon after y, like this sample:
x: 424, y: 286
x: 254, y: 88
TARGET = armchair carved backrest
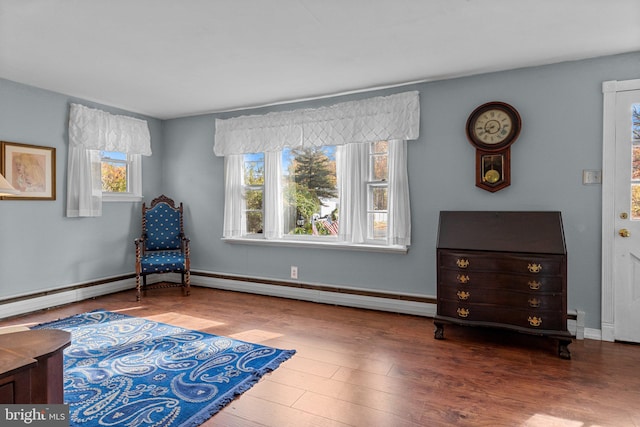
x: 163, y: 246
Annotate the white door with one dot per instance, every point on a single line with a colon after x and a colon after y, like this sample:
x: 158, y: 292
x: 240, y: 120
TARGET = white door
x: 626, y: 217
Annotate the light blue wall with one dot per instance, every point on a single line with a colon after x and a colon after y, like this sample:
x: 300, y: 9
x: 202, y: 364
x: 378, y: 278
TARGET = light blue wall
x: 40, y: 248
x: 561, y: 108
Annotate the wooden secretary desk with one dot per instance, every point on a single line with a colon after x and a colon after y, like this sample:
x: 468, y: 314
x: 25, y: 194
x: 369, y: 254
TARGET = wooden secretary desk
x: 505, y: 270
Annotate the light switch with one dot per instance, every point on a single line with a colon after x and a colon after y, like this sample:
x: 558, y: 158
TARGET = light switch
x: 591, y: 176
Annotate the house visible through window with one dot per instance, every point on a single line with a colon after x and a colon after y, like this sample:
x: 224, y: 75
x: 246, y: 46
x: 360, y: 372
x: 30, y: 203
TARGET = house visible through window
x: 310, y: 191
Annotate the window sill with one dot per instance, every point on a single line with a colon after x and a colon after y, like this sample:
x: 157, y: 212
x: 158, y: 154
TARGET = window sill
x: 315, y: 244
x: 110, y: 197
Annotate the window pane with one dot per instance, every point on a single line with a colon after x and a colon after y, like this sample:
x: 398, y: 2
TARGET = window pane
x: 254, y: 222
x: 378, y: 226
x: 254, y: 199
x: 310, y: 191
x: 379, y: 167
x: 380, y: 147
x: 114, y: 171
x: 379, y: 199
x: 635, y: 162
x: 378, y: 161
x: 254, y: 169
x: 635, y: 121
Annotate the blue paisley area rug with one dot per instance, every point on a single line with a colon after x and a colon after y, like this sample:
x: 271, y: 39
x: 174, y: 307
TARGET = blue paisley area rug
x: 128, y: 371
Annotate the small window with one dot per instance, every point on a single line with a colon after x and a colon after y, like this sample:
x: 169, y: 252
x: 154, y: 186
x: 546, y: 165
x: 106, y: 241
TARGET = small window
x: 378, y: 191
x: 254, y: 193
x: 121, y: 176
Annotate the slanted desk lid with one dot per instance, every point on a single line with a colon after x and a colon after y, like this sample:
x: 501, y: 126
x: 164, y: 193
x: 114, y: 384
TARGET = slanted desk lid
x: 526, y: 231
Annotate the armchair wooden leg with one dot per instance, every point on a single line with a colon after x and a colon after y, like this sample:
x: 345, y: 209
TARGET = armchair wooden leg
x: 137, y: 287
x: 188, y: 282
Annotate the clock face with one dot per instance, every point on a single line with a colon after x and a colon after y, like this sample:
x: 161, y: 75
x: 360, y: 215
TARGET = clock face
x: 493, y: 126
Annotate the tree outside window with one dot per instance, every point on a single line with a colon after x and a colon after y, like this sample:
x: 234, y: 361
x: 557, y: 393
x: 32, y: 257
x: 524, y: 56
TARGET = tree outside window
x: 114, y: 171
x: 310, y: 191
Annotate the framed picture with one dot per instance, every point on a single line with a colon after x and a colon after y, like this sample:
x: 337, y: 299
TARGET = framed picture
x: 31, y: 169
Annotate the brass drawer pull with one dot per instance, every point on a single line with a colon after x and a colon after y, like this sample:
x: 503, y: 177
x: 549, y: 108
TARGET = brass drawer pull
x: 534, y: 302
x: 534, y: 285
x: 462, y: 278
x: 463, y: 295
x: 535, y: 321
x: 462, y: 263
x: 463, y: 312
x: 534, y: 268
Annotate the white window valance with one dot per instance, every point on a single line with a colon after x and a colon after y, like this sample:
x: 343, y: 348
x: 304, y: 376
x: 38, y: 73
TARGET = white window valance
x: 375, y: 119
x: 98, y: 130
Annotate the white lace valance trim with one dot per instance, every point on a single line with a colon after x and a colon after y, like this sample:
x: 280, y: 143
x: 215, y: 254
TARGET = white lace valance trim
x: 98, y: 130
x: 370, y: 120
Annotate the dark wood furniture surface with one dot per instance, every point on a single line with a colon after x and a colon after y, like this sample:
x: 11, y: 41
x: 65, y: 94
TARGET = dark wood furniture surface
x: 503, y: 269
x: 31, y: 366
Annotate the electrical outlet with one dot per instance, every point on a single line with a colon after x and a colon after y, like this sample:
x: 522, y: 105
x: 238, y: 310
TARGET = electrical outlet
x: 294, y: 272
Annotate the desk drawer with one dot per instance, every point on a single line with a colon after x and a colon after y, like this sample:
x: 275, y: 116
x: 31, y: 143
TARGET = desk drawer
x: 533, y: 264
x: 490, y: 313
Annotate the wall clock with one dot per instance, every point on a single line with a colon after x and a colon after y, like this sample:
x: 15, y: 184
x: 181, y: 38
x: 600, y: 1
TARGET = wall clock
x: 491, y: 129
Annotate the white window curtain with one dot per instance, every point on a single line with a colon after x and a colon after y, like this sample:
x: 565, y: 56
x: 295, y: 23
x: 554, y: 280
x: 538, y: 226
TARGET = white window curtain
x: 349, y: 125
x: 273, y: 203
x: 234, y: 204
x: 375, y: 119
x: 92, y: 130
x: 352, y: 177
x: 233, y: 196
x: 398, y: 195
x: 351, y: 167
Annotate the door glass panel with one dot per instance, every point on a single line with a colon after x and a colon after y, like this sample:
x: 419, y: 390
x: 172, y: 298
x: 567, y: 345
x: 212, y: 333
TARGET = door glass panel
x: 635, y: 162
x: 635, y: 201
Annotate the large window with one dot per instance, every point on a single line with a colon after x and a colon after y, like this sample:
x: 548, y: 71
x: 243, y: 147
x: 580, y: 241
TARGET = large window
x: 310, y: 196
x: 334, y: 175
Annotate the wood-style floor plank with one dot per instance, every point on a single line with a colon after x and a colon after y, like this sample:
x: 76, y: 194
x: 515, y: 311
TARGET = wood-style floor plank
x: 365, y: 368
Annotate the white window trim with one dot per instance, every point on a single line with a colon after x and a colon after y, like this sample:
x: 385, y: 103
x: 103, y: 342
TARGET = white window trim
x: 301, y: 242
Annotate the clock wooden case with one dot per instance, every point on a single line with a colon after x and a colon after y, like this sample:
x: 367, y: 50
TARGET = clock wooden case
x: 492, y: 128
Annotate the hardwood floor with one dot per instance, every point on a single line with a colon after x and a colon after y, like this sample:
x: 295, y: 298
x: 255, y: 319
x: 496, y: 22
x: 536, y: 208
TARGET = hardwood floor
x: 365, y: 368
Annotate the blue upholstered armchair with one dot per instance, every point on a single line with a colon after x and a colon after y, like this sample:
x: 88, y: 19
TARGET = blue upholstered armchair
x: 163, y: 247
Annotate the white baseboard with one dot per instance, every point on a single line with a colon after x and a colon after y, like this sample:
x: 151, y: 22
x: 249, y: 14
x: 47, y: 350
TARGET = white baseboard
x: 403, y: 306
x: 323, y: 296
x: 54, y: 299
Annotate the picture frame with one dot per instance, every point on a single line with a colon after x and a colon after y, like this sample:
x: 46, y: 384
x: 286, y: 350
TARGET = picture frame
x: 31, y: 169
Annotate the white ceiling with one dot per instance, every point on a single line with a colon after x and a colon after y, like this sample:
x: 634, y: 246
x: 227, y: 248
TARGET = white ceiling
x: 173, y: 58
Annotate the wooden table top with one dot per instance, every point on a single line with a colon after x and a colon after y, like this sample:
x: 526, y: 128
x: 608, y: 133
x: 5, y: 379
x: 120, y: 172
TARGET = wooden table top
x: 33, y: 343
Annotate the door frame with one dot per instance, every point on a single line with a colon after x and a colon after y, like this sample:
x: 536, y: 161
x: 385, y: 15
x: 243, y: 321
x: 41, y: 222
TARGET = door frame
x: 610, y: 90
